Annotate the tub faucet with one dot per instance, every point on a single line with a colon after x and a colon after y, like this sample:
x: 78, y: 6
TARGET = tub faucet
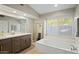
x: 73, y: 47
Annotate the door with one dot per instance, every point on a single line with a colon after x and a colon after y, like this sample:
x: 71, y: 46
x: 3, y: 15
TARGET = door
x: 39, y: 29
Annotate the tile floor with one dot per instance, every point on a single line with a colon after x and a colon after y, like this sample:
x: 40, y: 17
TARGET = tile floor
x: 32, y: 50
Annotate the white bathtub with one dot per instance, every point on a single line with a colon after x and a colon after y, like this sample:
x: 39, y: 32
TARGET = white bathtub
x: 52, y: 44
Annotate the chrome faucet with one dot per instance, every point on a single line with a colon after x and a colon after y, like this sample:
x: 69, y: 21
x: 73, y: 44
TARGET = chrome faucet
x: 73, y: 47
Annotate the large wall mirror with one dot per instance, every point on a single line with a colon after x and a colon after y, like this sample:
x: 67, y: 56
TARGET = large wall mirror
x: 10, y: 24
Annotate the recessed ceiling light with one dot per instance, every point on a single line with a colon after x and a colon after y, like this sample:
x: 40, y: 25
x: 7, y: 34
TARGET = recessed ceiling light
x: 55, y: 5
x: 14, y: 11
x: 24, y: 14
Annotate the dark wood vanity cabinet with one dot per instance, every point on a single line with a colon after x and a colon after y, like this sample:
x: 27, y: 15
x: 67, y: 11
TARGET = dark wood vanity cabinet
x: 5, y: 46
x: 20, y: 43
x: 28, y: 41
x: 25, y: 41
x: 15, y: 44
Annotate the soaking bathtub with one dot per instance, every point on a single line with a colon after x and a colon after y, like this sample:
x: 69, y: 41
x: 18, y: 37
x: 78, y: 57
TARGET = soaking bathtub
x: 56, y: 45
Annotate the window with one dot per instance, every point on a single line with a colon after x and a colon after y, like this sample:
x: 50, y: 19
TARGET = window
x: 60, y: 26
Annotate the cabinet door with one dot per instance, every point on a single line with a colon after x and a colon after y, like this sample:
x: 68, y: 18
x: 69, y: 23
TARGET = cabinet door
x: 29, y: 40
x: 5, y: 46
x: 25, y: 42
x: 16, y: 44
x: 1, y: 46
x: 22, y: 42
x: 1, y: 26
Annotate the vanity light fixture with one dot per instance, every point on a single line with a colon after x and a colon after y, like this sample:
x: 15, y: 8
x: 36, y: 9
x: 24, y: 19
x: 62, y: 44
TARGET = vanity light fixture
x: 55, y: 5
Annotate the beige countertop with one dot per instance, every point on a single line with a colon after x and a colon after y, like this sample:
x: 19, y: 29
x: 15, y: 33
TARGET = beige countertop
x: 8, y: 35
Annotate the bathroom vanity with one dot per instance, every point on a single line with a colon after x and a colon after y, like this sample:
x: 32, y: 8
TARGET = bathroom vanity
x: 15, y: 43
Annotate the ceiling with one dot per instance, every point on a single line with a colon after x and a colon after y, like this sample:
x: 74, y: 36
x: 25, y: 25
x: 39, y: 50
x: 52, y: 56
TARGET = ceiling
x: 45, y: 8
